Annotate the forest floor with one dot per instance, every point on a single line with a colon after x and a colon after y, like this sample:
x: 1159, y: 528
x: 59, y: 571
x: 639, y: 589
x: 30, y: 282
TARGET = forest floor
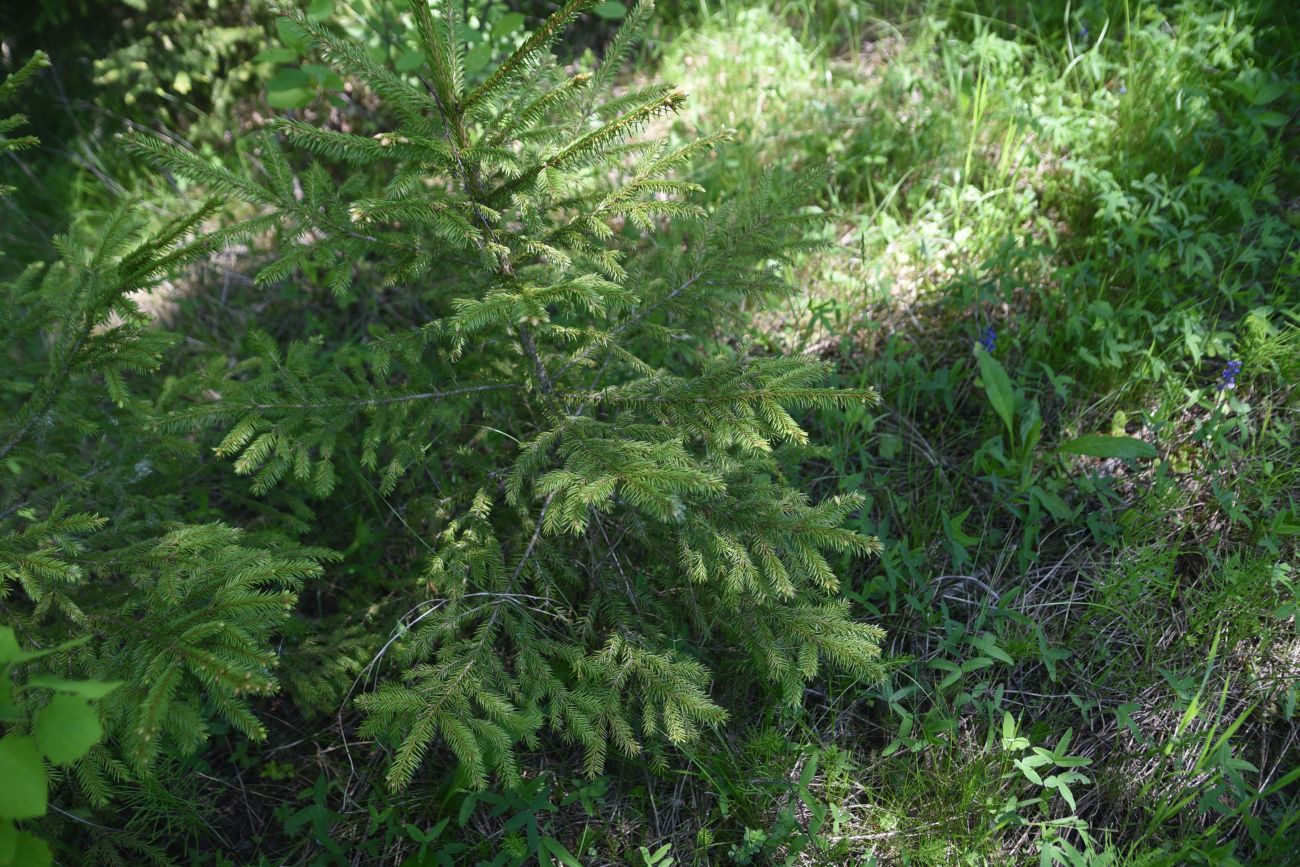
x: 1063, y: 247
x: 1036, y: 231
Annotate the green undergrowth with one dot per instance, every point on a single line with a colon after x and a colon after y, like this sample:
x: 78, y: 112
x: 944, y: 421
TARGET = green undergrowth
x: 1059, y: 239
x: 1045, y: 227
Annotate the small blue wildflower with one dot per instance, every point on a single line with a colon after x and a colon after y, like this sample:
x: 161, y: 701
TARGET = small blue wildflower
x: 1228, y: 379
x: 1083, y: 32
x: 1123, y: 88
x: 989, y: 339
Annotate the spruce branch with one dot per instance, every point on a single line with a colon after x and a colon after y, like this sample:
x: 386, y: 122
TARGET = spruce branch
x: 521, y: 57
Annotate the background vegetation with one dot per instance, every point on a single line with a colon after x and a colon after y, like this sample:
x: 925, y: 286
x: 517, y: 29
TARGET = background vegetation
x: 1058, y: 239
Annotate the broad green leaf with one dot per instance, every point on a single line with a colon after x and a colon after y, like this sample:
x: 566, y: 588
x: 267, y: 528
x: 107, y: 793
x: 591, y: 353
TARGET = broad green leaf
x: 809, y: 771
x: 24, y: 789
x: 289, y: 88
x: 31, y: 851
x: 1103, y: 446
x: 953, y: 527
x: 1073, y: 761
x: 1273, y: 119
x: 1067, y: 794
x: 288, y: 77
x: 1267, y: 92
x: 8, y: 841
x: 276, y: 54
x: 611, y: 10
x: 658, y: 855
x: 292, y: 34
x: 1029, y: 772
x: 477, y: 58
x: 1287, y: 523
x: 67, y: 728
x: 10, y: 651
x: 319, y: 74
x: 467, y: 808
x: 1055, y: 506
x: 85, y: 688
x: 507, y: 24
x: 410, y: 59
x: 998, y: 386
x: 319, y: 10
x: 556, y: 848
x: 987, y: 643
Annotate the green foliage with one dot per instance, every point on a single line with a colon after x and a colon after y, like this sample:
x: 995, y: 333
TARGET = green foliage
x: 65, y: 728
x: 8, y: 90
x: 172, y: 64
x: 484, y: 213
x: 1071, y: 516
x: 546, y: 360
x: 93, y: 542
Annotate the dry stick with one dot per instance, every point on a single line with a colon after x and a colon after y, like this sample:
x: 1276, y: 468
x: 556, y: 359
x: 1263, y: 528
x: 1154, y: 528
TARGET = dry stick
x: 530, y: 349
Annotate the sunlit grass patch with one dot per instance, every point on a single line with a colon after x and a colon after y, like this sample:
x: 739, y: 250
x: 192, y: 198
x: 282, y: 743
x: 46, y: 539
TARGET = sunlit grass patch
x: 1097, y: 198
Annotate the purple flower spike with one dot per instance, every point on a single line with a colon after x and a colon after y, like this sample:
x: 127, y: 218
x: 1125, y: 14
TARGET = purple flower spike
x: 989, y: 339
x: 1228, y: 379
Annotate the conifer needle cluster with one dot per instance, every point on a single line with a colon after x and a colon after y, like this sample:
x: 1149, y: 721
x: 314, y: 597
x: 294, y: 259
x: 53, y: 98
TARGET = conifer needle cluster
x: 590, y: 518
x: 597, y: 520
